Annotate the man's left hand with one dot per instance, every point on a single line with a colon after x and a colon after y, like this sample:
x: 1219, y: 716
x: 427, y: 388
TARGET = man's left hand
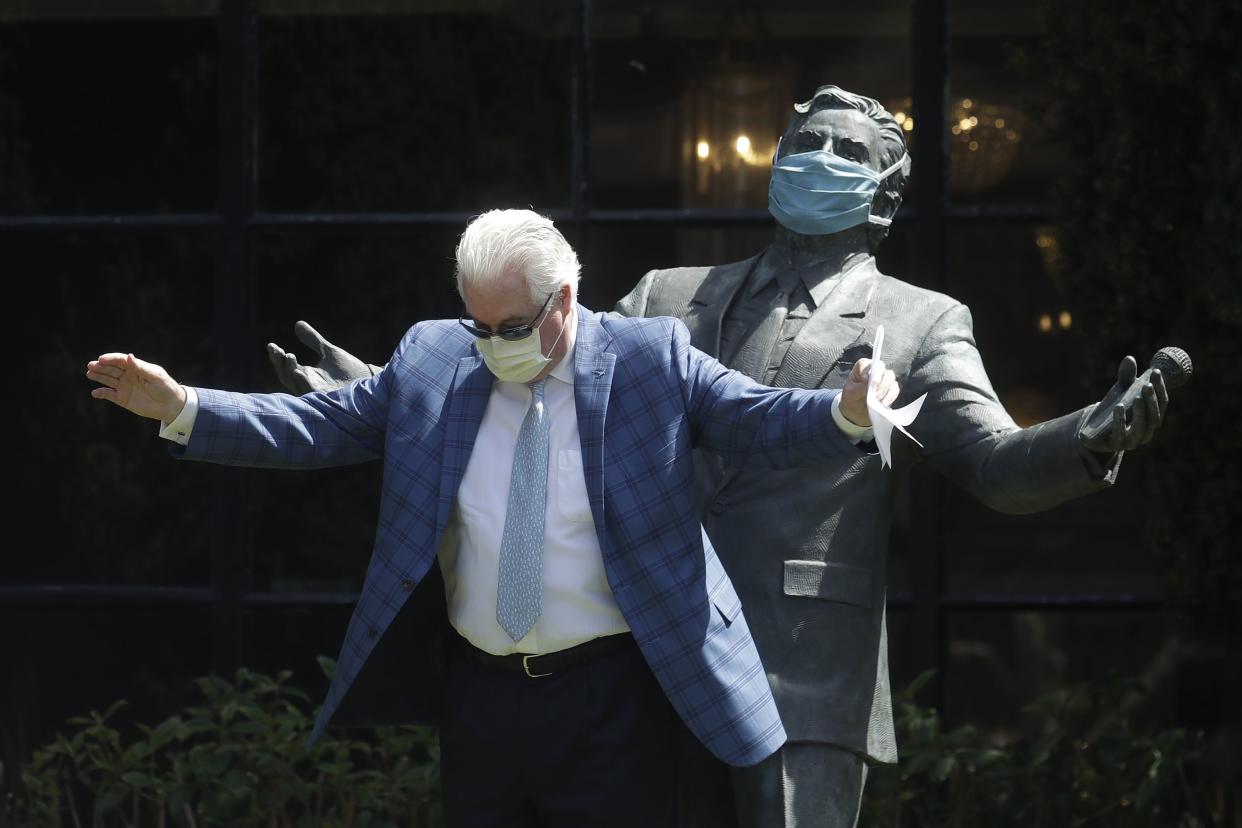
x: 854, y: 394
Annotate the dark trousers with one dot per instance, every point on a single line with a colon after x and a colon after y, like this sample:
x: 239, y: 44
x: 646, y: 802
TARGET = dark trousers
x: 593, y: 745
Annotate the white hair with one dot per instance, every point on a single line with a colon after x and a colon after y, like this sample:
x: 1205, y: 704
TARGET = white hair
x: 499, y: 241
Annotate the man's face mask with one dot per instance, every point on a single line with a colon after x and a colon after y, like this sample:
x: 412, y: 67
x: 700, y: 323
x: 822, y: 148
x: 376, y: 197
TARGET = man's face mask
x: 817, y: 193
x: 518, y: 360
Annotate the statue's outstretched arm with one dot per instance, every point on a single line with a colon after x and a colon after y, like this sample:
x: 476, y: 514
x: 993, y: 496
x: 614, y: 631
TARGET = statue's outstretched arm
x: 336, y: 367
x: 970, y: 437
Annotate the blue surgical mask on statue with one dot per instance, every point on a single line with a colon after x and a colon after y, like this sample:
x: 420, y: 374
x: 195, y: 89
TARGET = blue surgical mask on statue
x: 817, y: 193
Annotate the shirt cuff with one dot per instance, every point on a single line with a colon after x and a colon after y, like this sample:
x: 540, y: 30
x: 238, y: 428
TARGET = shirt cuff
x: 856, y: 433
x: 179, y: 429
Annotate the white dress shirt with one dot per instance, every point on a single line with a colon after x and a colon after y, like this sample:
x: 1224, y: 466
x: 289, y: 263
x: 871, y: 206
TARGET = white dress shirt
x: 577, y: 603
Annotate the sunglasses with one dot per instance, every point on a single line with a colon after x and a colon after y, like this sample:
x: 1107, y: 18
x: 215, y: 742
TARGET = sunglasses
x: 509, y: 334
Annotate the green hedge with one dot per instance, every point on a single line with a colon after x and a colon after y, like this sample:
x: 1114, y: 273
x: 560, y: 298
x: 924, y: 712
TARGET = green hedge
x: 1087, y: 765
x: 239, y: 759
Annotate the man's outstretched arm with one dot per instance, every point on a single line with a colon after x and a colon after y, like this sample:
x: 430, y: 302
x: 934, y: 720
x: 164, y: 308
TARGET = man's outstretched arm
x: 749, y: 424
x: 266, y: 430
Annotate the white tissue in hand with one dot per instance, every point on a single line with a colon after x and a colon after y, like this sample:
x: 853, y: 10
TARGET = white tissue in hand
x: 884, y: 419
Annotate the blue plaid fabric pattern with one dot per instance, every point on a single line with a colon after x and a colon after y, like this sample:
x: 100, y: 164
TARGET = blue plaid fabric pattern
x: 644, y: 398
x: 519, y: 591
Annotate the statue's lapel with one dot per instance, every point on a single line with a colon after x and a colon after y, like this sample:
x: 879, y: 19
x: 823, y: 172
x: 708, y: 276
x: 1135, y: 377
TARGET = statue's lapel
x: 707, y: 309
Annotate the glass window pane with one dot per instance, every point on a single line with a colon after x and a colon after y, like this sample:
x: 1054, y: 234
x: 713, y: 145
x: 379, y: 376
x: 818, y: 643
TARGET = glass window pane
x: 1025, y: 329
x: 314, y: 529
x: 361, y: 290
x: 61, y: 662
x: 108, y: 107
x: 1028, y: 336
x: 999, y: 150
x: 1090, y: 545
x: 291, y: 638
x: 422, y: 107
x: 100, y: 499
x: 617, y: 256
x: 904, y: 662
x: 690, y: 98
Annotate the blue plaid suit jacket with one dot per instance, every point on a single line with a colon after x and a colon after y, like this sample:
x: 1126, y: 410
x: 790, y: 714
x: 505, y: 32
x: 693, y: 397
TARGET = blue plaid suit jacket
x: 644, y: 398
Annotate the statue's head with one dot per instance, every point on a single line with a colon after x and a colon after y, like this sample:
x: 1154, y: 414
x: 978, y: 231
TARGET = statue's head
x: 856, y: 128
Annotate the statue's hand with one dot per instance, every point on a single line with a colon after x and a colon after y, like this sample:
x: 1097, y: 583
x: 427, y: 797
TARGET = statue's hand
x: 1130, y: 412
x: 336, y: 367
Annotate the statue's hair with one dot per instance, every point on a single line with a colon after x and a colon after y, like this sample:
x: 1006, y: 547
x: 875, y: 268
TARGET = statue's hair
x: 499, y: 241
x: 892, y: 139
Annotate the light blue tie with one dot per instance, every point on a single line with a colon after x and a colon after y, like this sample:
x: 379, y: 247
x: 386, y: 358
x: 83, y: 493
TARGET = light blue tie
x: 519, y: 591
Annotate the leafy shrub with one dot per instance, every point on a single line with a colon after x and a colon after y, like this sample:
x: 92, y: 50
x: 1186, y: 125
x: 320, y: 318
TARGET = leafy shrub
x: 238, y: 759
x: 1090, y: 766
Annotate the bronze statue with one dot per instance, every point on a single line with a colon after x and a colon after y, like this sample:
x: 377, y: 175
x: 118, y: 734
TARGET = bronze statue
x: 808, y: 554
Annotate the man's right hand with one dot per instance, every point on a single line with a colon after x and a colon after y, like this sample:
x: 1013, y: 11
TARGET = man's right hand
x: 337, y: 367
x: 141, y: 387
x: 854, y: 394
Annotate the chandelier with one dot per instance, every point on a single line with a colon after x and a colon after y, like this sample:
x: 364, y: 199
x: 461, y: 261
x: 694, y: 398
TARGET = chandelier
x: 983, y: 140
x: 733, y: 114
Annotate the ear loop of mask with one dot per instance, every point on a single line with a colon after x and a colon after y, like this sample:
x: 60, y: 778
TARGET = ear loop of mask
x: 560, y: 333
x: 880, y: 220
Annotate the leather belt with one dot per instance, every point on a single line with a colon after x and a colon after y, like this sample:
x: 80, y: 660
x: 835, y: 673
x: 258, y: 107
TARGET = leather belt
x: 547, y: 664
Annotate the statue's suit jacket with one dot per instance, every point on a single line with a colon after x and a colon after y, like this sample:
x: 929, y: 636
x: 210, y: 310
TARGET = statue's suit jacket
x: 806, y: 548
x: 644, y: 397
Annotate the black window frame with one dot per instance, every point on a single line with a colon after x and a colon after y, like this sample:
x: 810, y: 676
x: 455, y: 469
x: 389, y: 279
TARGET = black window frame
x: 237, y: 220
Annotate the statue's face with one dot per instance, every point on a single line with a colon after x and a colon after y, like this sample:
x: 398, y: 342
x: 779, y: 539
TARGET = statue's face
x: 844, y: 132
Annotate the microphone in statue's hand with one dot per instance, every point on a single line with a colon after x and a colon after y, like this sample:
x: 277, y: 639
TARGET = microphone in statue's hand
x: 1174, y: 364
x: 1175, y: 369
x: 1134, y: 408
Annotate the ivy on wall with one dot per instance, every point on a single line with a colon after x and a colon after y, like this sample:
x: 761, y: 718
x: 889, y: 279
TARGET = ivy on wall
x: 1146, y: 101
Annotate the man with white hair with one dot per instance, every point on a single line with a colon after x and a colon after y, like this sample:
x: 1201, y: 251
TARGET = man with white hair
x: 546, y: 480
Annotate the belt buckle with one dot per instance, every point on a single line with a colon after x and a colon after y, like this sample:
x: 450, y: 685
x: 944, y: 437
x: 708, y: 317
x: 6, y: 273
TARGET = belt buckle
x: 526, y: 667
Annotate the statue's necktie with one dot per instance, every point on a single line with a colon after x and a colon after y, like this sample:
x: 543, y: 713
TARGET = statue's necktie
x: 519, y: 590
x: 752, y: 358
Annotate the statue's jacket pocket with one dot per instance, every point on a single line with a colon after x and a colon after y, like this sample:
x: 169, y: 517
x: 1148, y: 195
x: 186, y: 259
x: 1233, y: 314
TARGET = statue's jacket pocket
x: 829, y: 582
